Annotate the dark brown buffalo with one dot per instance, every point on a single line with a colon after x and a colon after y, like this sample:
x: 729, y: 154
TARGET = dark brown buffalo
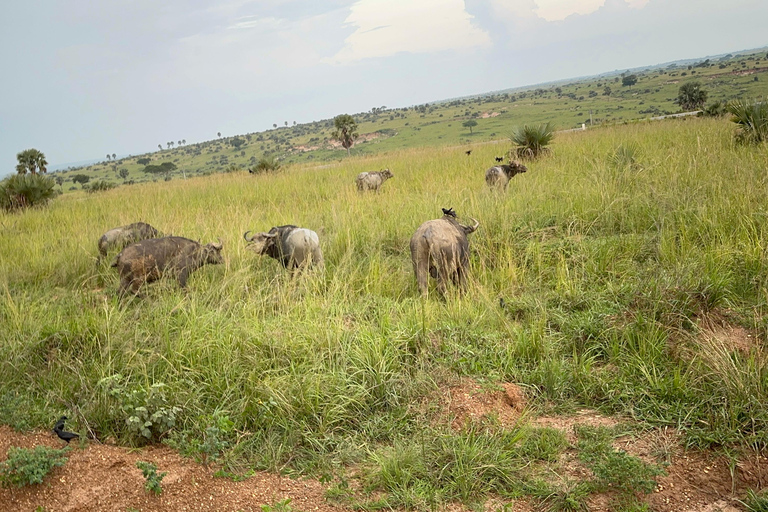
x: 500, y: 175
x: 118, y: 238
x: 149, y: 260
x: 440, y: 248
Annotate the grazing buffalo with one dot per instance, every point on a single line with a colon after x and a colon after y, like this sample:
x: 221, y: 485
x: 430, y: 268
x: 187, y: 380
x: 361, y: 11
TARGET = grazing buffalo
x: 500, y: 175
x: 119, y: 238
x: 372, y: 180
x: 292, y: 246
x: 149, y: 260
x: 440, y: 248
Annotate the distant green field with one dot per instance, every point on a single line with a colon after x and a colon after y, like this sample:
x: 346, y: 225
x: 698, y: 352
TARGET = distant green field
x: 567, y: 105
x: 595, y: 283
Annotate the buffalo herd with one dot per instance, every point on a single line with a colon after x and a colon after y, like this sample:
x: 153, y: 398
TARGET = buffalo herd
x: 439, y: 247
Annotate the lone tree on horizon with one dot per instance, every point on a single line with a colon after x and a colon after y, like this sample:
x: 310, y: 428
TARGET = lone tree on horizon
x: 345, y: 130
x: 691, y: 96
x: 629, y: 81
x: 469, y: 123
x: 31, y: 160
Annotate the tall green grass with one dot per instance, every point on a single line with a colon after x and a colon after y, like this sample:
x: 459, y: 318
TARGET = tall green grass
x: 604, y: 271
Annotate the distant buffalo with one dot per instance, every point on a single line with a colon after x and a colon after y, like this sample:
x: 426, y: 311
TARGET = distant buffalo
x: 372, y: 180
x: 500, y: 175
x: 292, y: 246
x: 118, y: 238
x: 440, y: 248
x: 149, y: 260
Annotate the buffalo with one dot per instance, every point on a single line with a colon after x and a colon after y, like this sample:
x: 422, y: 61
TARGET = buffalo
x: 372, y: 180
x: 149, y: 260
x: 500, y: 175
x: 119, y: 238
x: 440, y: 248
x: 292, y: 246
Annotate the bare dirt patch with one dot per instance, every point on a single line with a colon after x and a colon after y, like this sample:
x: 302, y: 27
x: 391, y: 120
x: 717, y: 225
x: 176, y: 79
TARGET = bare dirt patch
x: 105, y: 478
x: 718, y: 330
x: 468, y: 402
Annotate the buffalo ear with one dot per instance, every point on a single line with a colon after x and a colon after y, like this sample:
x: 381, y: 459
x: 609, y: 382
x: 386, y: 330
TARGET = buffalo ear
x: 270, y: 235
x: 218, y: 246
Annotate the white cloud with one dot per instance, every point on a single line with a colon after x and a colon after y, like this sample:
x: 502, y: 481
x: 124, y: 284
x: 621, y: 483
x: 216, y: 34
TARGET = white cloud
x: 387, y: 27
x: 551, y: 10
x: 555, y: 10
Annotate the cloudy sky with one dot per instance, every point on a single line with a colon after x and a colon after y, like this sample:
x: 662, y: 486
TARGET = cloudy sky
x: 81, y: 79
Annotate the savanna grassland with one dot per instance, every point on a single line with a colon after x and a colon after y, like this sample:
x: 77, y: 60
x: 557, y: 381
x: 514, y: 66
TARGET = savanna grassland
x: 568, y: 104
x: 598, y: 282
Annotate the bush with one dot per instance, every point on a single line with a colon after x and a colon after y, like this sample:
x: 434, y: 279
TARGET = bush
x: 153, y: 479
x: 101, y: 185
x: 532, y: 141
x: 752, y: 119
x: 715, y: 109
x: 265, y: 165
x: 25, y: 467
x: 26, y: 190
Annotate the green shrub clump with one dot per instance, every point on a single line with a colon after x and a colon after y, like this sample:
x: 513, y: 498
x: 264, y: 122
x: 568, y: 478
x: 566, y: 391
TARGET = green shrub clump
x: 25, y: 467
x: 25, y: 190
x: 101, y: 185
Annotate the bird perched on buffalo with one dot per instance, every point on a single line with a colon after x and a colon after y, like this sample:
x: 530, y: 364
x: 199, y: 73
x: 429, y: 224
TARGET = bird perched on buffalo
x: 63, y: 434
x: 449, y: 212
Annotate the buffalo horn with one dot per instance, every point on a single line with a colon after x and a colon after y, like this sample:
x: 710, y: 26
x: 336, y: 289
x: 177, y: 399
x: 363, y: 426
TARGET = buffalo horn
x: 245, y: 236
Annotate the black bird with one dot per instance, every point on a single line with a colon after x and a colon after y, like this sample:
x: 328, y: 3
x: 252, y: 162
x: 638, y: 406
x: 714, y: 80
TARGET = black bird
x: 499, y: 158
x: 449, y: 212
x: 468, y: 152
x: 59, y: 429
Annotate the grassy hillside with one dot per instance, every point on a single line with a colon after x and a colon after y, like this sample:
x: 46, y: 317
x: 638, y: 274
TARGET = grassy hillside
x: 593, y: 101
x: 612, y: 276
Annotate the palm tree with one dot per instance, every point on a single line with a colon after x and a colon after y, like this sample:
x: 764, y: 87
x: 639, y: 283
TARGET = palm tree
x: 184, y: 141
x: 31, y: 160
x: 219, y: 134
x: 345, y: 130
x: 114, y: 156
x: 691, y: 96
x: 160, y: 147
x: 179, y: 143
x: 532, y: 141
x: 107, y: 156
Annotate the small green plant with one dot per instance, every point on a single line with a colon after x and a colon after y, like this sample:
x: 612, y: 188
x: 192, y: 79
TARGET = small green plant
x: 626, y: 156
x: 715, y: 109
x: 213, y: 444
x: 146, y: 412
x: 531, y: 141
x: 25, y: 190
x: 752, y: 120
x: 755, y: 501
x: 572, y: 497
x: 265, y: 164
x: 25, y: 467
x: 153, y: 479
x: 614, y: 469
x: 278, y: 506
x: 99, y: 186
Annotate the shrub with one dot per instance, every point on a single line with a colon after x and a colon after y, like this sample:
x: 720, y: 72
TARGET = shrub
x: 755, y: 502
x: 265, y: 164
x: 26, y: 190
x: 99, y: 186
x: 25, y: 467
x: 532, y: 141
x: 626, y: 156
x: 715, y: 109
x: 752, y: 119
x: 146, y: 413
x: 153, y: 479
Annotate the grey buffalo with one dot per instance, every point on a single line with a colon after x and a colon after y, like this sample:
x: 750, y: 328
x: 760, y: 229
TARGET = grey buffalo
x: 500, y: 175
x: 372, y: 180
x: 292, y: 246
x: 440, y: 248
x: 118, y: 238
x: 149, y: 260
